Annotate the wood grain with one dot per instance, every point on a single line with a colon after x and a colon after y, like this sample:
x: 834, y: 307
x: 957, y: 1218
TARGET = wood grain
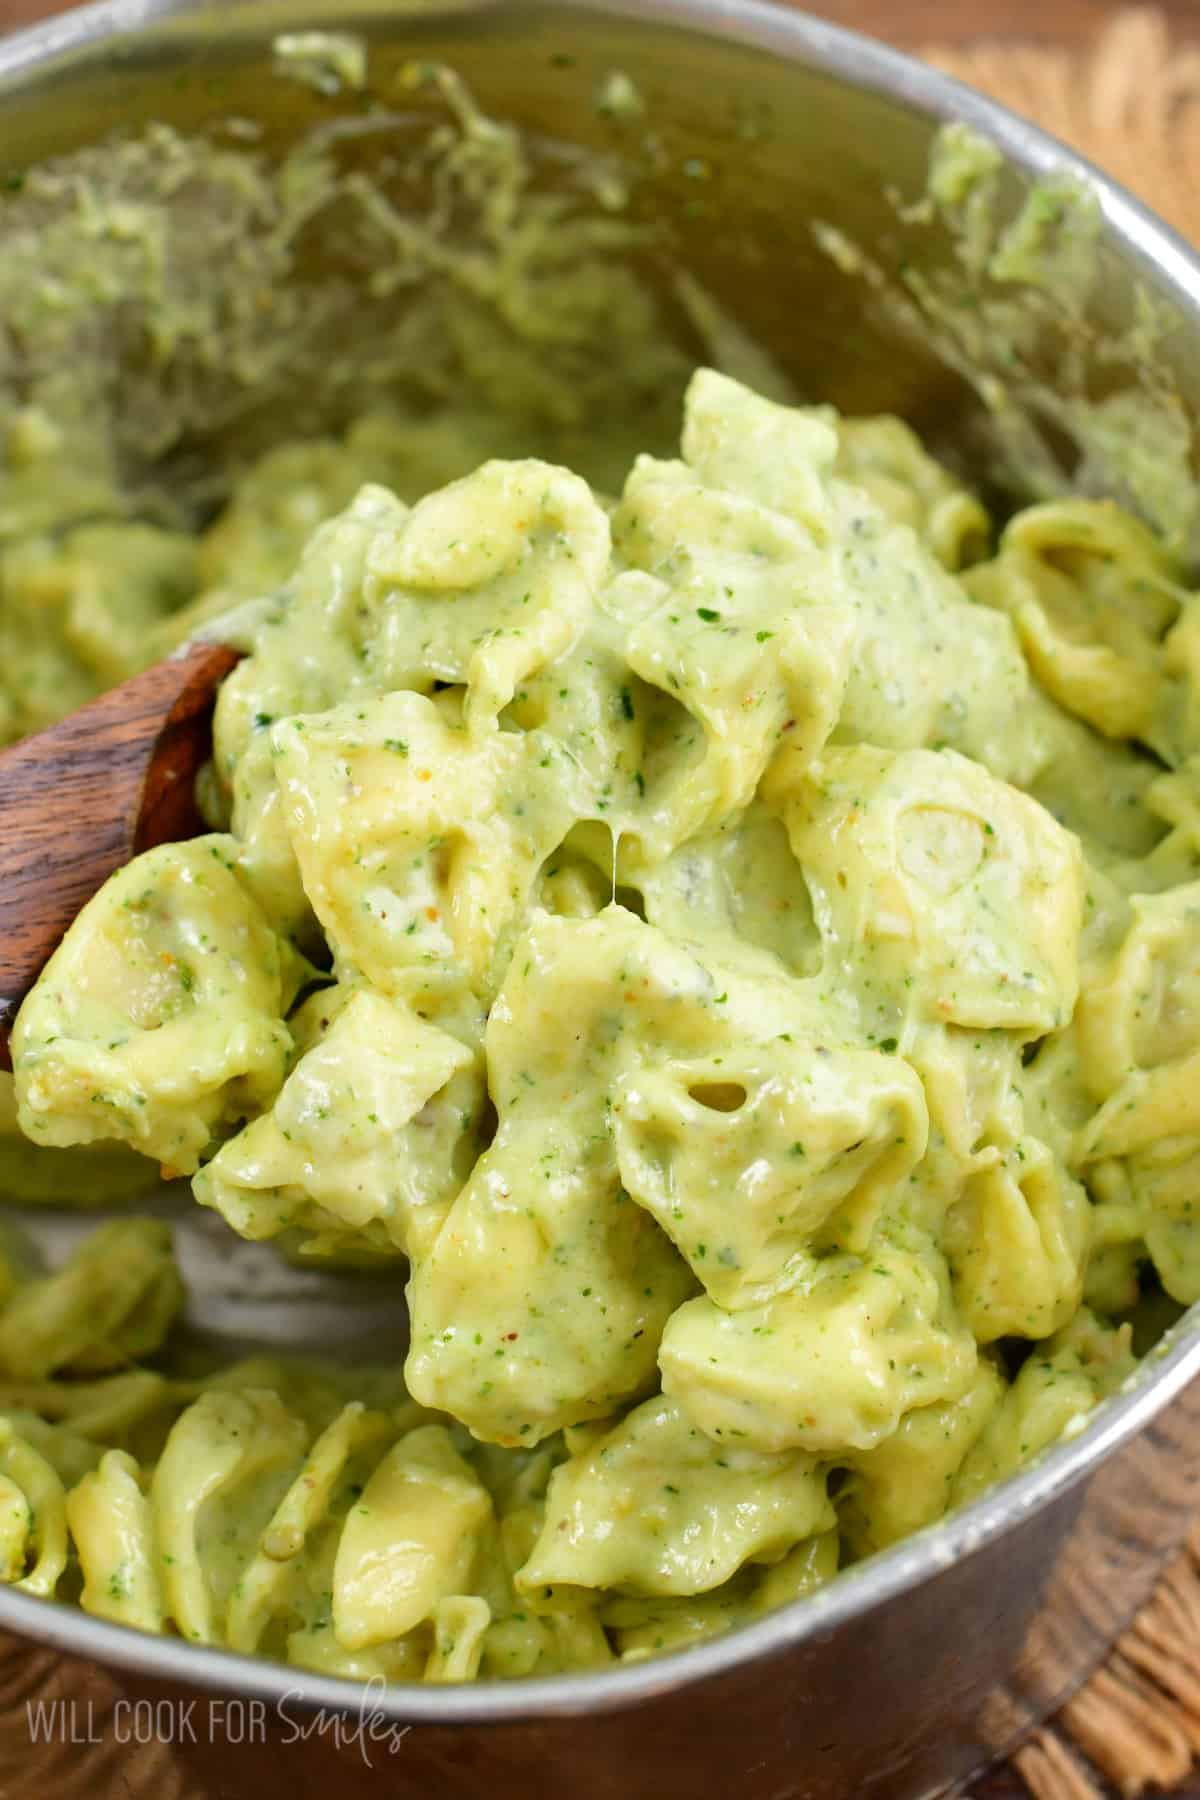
x: 913, y: 23
x: 77, y: 801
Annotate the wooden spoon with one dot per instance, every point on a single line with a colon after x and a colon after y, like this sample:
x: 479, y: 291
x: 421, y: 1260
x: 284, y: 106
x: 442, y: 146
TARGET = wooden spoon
x: 77, y: 801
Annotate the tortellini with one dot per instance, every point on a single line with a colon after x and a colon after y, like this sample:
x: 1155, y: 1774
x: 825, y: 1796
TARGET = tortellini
x: 418, y: 843
x: 740, y: 881
x: 159, y: 1020
x: 77, y: 611
x: 112, y: 1525
x: 1140, y: 1059
x: 963, y: 896
x: 884, y: 459
x: 485, y: 582
x: 369, y: 1138
x: 543, y: 1299
x: 215, y: 1483
x: 111, y: 1303
x: 33, y: 1519
x: 277, y: 1577
x: 751, y: 635
x: 907, y: 1481
x: 830, y: 1365
x: 1017, y: 1242
x: 301, y: 667
x: 1053, y: 1393
x: 746, y: 1160
x: 724, y: 946
x: 1092, y: 595
x: 409, y: 1540
x: 656, y: 1507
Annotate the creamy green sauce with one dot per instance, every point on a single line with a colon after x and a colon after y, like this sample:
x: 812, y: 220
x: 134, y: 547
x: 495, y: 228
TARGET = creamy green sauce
x: 728, y: 947
x: 721, y: 926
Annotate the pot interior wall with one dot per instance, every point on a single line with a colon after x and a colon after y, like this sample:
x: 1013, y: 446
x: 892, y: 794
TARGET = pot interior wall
x: 732, y: 156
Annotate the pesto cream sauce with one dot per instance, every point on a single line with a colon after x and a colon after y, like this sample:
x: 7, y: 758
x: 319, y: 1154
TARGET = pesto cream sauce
x: 727, y: 947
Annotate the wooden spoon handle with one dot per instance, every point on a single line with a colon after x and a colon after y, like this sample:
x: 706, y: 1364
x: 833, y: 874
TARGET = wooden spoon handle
x: 77, y: 801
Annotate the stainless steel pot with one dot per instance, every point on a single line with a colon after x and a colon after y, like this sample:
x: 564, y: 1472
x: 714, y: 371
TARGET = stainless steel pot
x: 936, y: 1657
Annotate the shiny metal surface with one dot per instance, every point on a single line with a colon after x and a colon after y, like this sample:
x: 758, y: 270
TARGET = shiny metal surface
x: 923, y: 1664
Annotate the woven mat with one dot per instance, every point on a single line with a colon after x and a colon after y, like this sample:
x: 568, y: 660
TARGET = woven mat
x: 1131, y: 103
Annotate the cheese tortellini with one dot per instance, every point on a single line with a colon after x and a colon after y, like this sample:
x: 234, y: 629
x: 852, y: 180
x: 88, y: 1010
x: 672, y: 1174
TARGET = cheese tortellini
x: 159, y: 1020
x: 369, y: 1138
x: 726, y: 947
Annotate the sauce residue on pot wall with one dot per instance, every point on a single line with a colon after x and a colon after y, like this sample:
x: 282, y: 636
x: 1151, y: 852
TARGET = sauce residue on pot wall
x: 1011, y: 297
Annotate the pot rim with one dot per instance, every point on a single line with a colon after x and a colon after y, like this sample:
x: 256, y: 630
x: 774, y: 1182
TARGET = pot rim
x: 1155, y: 249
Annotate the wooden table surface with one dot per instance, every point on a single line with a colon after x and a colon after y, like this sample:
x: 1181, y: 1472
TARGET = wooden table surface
x: 910, y: 24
